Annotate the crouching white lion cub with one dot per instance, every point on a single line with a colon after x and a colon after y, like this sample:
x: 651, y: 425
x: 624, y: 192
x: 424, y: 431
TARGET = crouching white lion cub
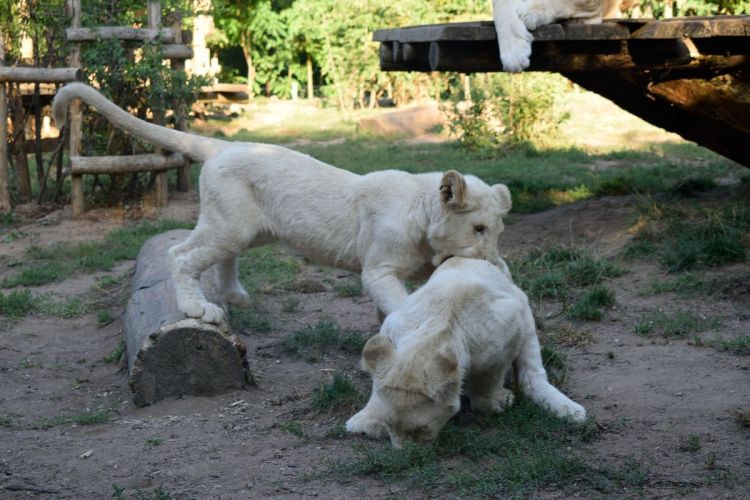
x: 458, y: 334
x: 389, y: 225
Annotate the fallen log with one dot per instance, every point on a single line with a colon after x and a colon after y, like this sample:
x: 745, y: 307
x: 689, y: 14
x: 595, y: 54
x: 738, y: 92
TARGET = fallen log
x: 170, y: 355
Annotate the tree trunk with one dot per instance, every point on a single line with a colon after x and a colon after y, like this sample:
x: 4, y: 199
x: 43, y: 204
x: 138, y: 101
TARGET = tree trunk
x: 250, y: 66
x: 310, y: 88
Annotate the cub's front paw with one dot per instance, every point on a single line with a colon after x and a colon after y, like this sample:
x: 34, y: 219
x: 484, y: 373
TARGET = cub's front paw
x: 503, y: 400
x: 205, y: 311
x: 366, y: 423
x: 239, y: 298
x: 573, y: 411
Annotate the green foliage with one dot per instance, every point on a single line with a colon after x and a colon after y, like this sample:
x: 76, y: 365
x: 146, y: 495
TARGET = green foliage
x: 338, y: 395
x: 311, y: 342
x: 507, y: 455
x: 137, y: 79
x: 658, y: 8
x: 507, y: 110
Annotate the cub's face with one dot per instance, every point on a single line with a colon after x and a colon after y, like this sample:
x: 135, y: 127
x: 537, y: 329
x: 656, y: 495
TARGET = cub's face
x: 418, y: 392
x: 472, y: 219
x: 413, y: 416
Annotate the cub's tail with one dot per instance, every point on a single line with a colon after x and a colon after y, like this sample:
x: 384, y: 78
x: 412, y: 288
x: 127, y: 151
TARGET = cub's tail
x: 193, y: 146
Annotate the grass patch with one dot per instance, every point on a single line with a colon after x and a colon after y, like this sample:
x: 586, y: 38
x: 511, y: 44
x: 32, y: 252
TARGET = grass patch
x: 104, y: 317
x: 5, y: 421
x: 311, y: 342
x: 292, y: 427
x: 738, y: 345
x: 16, y: 304
x: 506, y: 455
x: 60, y: 261
x: 551, y: 272
x: 267, y: 269
x: 690, y: 443
x: 685, y: 238
x: 349, y: 290
x: 678, y: 324
x: 249, y: 320
x: 116, y: 354
x: 338, y: 395
x: 88, y: 417
x: 154, y: 442
x: 589, y: 305
x: 291, y: 305
x: 566, y: 336
x: 685, y: 285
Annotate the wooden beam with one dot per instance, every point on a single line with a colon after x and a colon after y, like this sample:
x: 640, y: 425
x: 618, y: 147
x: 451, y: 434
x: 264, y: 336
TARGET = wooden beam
x: 184, y: 180
x: 177, y: 51
x: 33, y: 75
x: 80, y: 165
x: 120, y: 33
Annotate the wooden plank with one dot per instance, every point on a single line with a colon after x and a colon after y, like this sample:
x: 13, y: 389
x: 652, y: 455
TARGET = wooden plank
x: 160, y: 176
x: 47, y: 75
x: 125, y: 164
x: 120, y: 33
x: 695, y: 27
x: 177, y: 51
x: 23, y: 179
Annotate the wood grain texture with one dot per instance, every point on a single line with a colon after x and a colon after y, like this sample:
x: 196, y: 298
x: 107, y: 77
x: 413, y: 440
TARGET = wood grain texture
x: 169, y: 355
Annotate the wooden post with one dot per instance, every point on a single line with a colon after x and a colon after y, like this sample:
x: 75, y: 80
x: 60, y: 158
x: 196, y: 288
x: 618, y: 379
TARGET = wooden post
x: 5, y: 205
x: 169, y: 355
x: 184, y: 181
x: 75, y: 116
x: 21, y: 160
x: 161, y: 193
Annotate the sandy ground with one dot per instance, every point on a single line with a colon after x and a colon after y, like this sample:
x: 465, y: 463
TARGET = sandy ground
x: 648, y: 395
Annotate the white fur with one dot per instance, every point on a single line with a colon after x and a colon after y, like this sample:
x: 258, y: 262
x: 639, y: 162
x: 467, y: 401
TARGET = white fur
x: 459, y: 333
x: 389, y: 225
x: 514, y: 18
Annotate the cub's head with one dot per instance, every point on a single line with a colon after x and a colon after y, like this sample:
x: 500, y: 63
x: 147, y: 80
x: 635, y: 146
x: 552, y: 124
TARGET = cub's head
x: 419, y: 392
x: 470, y: 219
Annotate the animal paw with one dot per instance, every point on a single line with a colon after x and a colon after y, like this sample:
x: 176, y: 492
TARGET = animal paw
x: 366, y: 423
x: 239, y: 298
x: 502, y: 401
x: 573, y: 411
x: 515, y: 47
x: 205, y: 311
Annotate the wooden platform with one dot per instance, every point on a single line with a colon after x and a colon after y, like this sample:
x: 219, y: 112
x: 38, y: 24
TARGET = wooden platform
x: 687, y: 75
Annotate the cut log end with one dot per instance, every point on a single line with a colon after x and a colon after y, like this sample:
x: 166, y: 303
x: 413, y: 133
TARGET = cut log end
x: 187, y: 358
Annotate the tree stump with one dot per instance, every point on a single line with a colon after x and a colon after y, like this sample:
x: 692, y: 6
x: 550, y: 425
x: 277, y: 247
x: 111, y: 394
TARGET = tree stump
x: 170, y: 355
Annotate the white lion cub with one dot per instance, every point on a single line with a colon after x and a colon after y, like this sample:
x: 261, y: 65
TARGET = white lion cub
x: 514, y: 18
x: 387, y: 225
x: 458, y: 334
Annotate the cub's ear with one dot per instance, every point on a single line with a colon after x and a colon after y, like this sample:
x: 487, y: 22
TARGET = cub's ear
x: 453, y: 190
x: 503, y: 194
x: 444, y: 381
x: 377, y: 354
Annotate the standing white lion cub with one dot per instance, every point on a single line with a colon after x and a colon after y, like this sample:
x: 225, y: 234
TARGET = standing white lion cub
x: 458, y: 334
x: 389, y: 225
x: 514, y: 18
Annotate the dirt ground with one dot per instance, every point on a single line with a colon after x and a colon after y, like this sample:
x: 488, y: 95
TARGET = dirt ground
x: 647, y: 395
